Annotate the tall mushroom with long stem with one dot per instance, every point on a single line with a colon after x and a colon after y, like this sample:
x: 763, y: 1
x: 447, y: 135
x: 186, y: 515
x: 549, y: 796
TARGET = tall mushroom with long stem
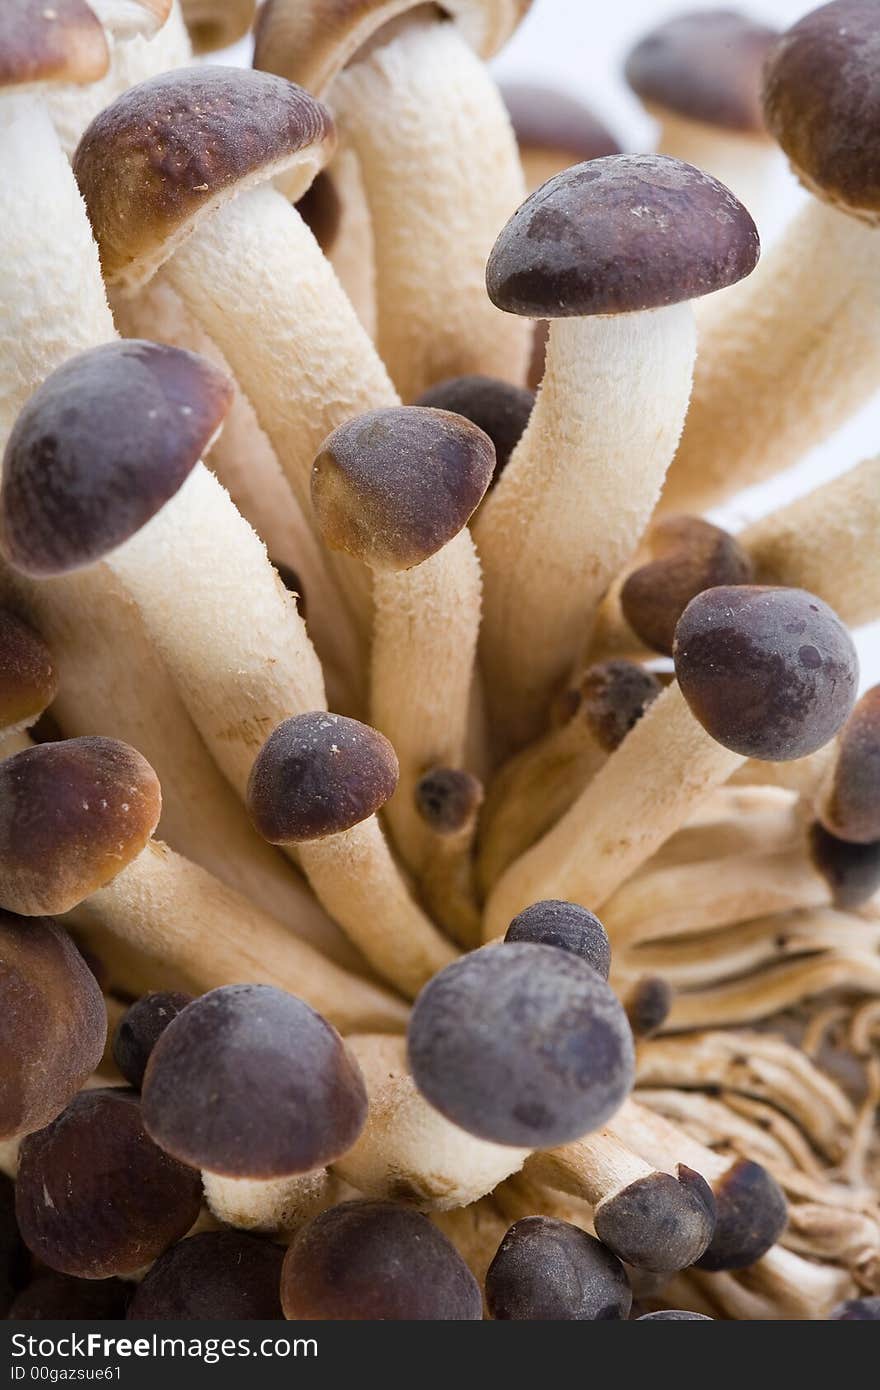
x: 612, y: 251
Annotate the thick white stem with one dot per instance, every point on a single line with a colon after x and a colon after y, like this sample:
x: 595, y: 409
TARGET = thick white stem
x: 593, y: 1168
x: 273, y: 1205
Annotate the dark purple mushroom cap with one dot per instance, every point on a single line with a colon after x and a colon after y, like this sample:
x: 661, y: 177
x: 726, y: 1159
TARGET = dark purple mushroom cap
x: 72, y: 816
x: 53, y: 1023
x: 852, y: 871
x: 393, y: 486
x: 140, y: 1028
x: 856, y: 1310
x: 648, y: 1005
x: 850, y: 806
x: 611, y: 697
x: 544, y: 118
x: 619, y: 235
x: 705, y: 66
x: 659, y: 1222
x: 215, y: 1275
x: 690, y: 555
x: 751, y: 1214
x: 250, y: 1082
x: 13, y: 1256
x: 521, y: 1044
x: 822, y: 103
x: 95, y: 1197
x: 770, y: 673
x: 498, y: 408
x: 61, y: 42
x: 673, y: 1315
x: 100, y: 448
x: 63, y: 1298
x: 448, y: 799
x: 319, y: 774
x: 372, y: 1261
x: 550, y: 1271
x: 568, y: 927
x: 167, y: 152
x: 28, y: 679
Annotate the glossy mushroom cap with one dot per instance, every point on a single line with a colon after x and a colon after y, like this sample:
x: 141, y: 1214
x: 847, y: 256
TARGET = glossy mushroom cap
x: 770, y: 673
x: 856, y: 1310
x: 319, y: 774
x: 849, y: 807
x: 674, y: 1315
x: 169, y: 151
x: 751, y: 1214
x: 369, y: 1261
x: 689, y: 555
x: 95, y: 1197
x: 521, y: 1044
x: 822, y: 103
x: 72, y: 816
x: 852, y: 871
x: 28, y: 679
x: 500, y: 409
x: 659, y: 1222
x: 706, y: 67
x: 448, y: 799
x: 568, y: 927
x: 53, y: 1023
x: 140, y: 1028
x: 392, y: 487
x: 544, y: 118
x: 619, y: 235
x: 13, y: 1256
x: 62, y: 1298
x: 59, y: 42
x: 611, y: 697
x: 214, y: 1275
x: 311, y: 43
x: 550, y: 1271
x: 100, y: 447
x: 214, y: 24
x: 250, y: 1082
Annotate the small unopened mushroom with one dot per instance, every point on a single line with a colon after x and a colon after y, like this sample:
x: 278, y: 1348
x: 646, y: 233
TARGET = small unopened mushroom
x: 799, y: 351
x: 368, y: 1261
x: 448, y: 801
x: 500, y: 409
x: 28, y: 678
x: 567, y: 927
x: 612, y: 251
x: 554, y: 130
x: 140, y: 1028
x: 216, y: 24
x: 439, y: 161
x: 62, y: 1297
x: 549, y: 1270
x: 52, y: 1022
x: 762, y: 672
x: 215, y: 1275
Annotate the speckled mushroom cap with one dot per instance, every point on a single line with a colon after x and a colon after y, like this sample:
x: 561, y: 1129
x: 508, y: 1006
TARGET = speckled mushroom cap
x: 53, y: 1022
x: 770, y: 673
x: 213, y: 1275
x: 250, y: 1082
x: 658, y: 1222
x: 618, y: 235
x: 521, y: 1044
x: 569, y: 927
x: 95, y: 1197
x: 370, y: 1261
x: 547, y: 119
x: 500, y: 409
x: 548, y: 1270
x: 393, y: 486
x: 72, y: 816
x: 705, y: 66
x: 310, y: 42
x: 100, y: 447
x: 28, y: 679
x: 319, y: 774
x: 58, y: 42
x: 849, y: 806
x: 169, y: 151
x: 822, y: 103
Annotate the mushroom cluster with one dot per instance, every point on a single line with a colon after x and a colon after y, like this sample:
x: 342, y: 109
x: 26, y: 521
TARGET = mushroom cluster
x: 439, y: 866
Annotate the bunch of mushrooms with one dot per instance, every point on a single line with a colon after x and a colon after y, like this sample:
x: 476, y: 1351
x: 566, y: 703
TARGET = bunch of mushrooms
x: 439, y: 865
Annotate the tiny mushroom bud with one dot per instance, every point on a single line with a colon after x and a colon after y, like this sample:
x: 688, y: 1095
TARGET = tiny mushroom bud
x: 553, y: 130
x: 62, y: 1298
x: 216, y: 1275
x: 567, y: 926
x: 674, y: 1315
x: 500, y: 409
x: 549, y: 1270
x: 367, y: 1261
x: 448, y: 801
x: 851, y: 871
x: 140, y: 1028
x: 647, y: 1005
x: 28, y: 678
x: 216, y: 24
x: 848, y: 804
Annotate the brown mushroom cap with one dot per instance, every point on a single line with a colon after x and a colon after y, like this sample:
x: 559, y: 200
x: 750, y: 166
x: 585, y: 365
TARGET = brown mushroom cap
x: 822, y: 103
x: 140, y: 1028
x: 368, y: 1261
x: 100, y: 448
x: 852, y: 871
x: 611, y: 697
x: 705, y: 66
x: 547, y: 1270
x: 770, y: 673
x: 500, y: 409
x: 58, y: 42
x: 214, y: 24
x: 619, y: 235
x: 214, y: 1275
x: 319, y: 774
x: 95, y: 1197
x: 448, y: 799
x: 393, y: 486
x: 690, y: 555
x: 850, y: 806
x: 169, y: 151
x: 53, y: 1023
x: 547, y: 119
x: 28, y: 679
x: 62, y: 1298
x: 250, y: 1082
x: 751, y: 1214
x: 72, y: 816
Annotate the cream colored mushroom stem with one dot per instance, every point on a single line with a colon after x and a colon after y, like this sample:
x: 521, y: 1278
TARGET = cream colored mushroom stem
x: 442, y: 175
x: 274, y: 1206
x: 782, y: 1286
x: 780, y: 987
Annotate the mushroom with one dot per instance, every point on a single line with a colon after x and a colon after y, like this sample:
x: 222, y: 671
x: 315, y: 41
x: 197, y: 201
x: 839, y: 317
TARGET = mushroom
x: 13, y: 1257
x: 415, y: 102
x: 317, y: 783
x: 448, y: 801
x: 254, y: 1087
x: 780, y: 1287
x: 218, y: 1275
x: 799, y: 351
x: 52, y: 1022
x: 364, y: 1261
x: 140, y: 1028
x: 612, y: 251
x: 567, y: 927
x: 75, y: 823
x: 548, y: 1270
x: 130, y: 19
x: 216, y: 24
x: 848, y: 799
x: 674, y: 1315
x: 856, y: 1310
x: 61, y: 1297
x: 94, y: 1196
x: 500, y: 409
x: 762, y: 672
x: 28, y: 678
x: 553, y: 131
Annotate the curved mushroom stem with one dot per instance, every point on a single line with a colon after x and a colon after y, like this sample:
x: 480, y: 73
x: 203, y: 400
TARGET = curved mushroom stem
x: 780, y: 987
x: 781, y: 1286
x: 349, y: 246
x: 441, y: 175
x: 803, y: 776
x: 749, y: 165
x: 746, y: 1127
x: 272, y: 1205
x: 798, y: 354
x: 735, y: 820
x: 561, y: 522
